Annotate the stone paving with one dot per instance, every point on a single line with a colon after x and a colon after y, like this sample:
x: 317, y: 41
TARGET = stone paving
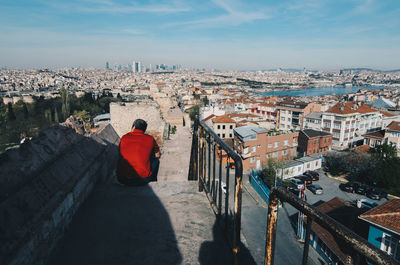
x: 175, y: 156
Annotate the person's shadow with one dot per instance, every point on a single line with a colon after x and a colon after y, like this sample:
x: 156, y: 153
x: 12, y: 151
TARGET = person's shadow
x: 119, y: 225
x: 218, y: 251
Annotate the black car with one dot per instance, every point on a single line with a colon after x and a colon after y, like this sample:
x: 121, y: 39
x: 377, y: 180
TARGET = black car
x: 312, y: 174
x: 376, y: 194
x: 348, y: 187
x: 305, y: 179
x: 315, y: 188
x: 361, y: 189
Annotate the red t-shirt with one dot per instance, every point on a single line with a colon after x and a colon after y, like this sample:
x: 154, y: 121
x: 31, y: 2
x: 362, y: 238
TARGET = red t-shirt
x: 135, y: 149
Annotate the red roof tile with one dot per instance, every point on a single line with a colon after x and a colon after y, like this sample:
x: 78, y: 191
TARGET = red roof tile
x: 223, y: 119
x: 349, y: 108
x: 394, y: 126
x: 386, y: 215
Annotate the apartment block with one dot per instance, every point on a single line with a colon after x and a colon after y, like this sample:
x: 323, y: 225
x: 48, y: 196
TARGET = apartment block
x: 348, y: 122
x: 291, y: 114
x: 314, y: 142
x: 256, y: 145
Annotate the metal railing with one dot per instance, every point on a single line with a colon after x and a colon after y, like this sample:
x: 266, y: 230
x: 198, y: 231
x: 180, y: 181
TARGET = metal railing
x: 207, y: 155
x: 210, y: 155
x: 362, y: 249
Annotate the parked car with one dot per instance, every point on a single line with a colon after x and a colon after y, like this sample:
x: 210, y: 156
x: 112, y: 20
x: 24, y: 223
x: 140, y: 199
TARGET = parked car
x: 361, y: 189
x: 366, y: 203
x: 315, y: 188
x: 297, y: 183
x: 305, y: 179
x: 312, y: 174
x: 294, y: 191
x: 348, y: 187
x: 376, y: 194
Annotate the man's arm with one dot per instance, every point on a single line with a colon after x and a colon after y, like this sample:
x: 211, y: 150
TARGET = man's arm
x: 156, y: 149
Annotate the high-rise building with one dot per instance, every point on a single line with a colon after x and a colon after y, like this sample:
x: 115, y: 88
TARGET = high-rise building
x: 107, y: 66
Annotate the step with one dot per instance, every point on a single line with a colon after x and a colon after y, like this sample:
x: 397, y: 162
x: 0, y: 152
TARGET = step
x: 161, y: 223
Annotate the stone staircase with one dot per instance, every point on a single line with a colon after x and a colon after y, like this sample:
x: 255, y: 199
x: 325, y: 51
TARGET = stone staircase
x: 162, y: 223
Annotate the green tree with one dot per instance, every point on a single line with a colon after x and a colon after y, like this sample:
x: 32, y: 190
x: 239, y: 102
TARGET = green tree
x: 65, y: 107
x: 269, y: 172
x: 84, y: 115
x: 384, y: 152
x: 194, y: 111
x: 10, y: 112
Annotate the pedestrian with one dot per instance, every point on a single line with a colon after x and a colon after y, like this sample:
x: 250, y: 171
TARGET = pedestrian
x: 139, y: 156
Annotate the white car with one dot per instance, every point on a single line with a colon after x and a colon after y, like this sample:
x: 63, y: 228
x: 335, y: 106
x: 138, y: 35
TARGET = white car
x: 366, y: 203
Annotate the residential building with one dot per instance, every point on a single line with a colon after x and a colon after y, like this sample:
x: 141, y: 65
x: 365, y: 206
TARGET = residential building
x: 257, y: 145
x: 314, y: 142
x: 392, y: 135
x: 313, y: 121
x: 223, y: 126
x: 329, y: 246
x: 292, y: 168
x: 348, y: 122
x: 291, y: 114
x: 265, y: 110
x: 384, y: 227
x: 374, y: 138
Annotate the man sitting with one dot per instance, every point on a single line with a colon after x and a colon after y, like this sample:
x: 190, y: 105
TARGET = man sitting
x: 139, y: 153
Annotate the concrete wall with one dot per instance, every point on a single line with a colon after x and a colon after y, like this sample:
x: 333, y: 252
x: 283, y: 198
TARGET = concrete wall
x: 123, y: 115
x: 43, y: 183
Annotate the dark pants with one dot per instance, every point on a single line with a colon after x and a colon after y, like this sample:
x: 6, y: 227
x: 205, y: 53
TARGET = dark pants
x: 154, y: 166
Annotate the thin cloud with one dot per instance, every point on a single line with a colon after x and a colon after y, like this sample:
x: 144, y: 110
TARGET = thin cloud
x: 233, y: 16
x: 365, y: 6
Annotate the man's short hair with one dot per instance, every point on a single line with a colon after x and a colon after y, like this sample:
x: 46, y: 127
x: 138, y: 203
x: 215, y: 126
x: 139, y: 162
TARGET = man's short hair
x: 140, y: 125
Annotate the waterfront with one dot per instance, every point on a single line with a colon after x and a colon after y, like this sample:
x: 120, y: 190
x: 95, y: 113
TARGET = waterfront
x: 317, y: 91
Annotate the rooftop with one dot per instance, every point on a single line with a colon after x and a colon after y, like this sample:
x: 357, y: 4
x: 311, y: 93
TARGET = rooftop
x: 386, y: 215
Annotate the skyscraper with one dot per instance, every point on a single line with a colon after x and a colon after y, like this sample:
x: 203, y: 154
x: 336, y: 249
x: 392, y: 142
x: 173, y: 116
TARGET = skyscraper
x: 107, y: 66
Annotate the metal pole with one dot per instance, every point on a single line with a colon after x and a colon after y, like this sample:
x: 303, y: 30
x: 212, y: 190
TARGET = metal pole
x: 271, y: 229
x: 237, y: 211
x: 307, y: 242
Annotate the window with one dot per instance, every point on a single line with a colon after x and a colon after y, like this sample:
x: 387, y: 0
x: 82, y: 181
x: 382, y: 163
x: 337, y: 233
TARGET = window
x: 275, y: 154
x: 259, y: 145
x: 284, y: 152
x: 286, y: 142
x: 282, y: 118
x: 253, y: 149
x: 219, y: 135
x: 223, y: 135
x: 223, y: 127
x: 276, y: 144
x: 391, y: 246
x: 218, y: 126
x: 327, y: 125
x: 337, y: 126
x: 230, y: 135
x: 246, y: 150
x: 269, y: 145
x: 230, y: 126
x: 252, y: 159
x: 268, y: 155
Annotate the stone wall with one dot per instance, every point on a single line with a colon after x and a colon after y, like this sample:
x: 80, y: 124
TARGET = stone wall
x: 43, y: 183
x: 124, y: 114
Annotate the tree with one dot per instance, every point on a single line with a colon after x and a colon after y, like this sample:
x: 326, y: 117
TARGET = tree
x: 84, y: 115
x: 65, y: 107
x: 384, y: 152
x: 270, y: 171
x: 25, y: 111
x: 10, y: 112
x: 194, y: 111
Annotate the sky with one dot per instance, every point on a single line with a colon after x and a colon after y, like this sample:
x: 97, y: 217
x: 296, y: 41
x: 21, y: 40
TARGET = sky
x: 216, y: 34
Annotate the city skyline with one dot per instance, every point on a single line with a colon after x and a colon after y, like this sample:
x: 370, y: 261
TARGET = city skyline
x: 218, y: 34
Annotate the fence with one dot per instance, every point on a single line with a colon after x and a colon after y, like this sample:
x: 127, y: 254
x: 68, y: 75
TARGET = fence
x: 259, y: 186
x: 206, y: 146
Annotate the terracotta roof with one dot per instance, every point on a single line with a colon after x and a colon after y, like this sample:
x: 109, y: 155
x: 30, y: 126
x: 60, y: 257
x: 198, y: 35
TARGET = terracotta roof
x: 394, y: 126
x: 350, y: 107
x: 377, y: 134
x: 242, y: 115
x: 386, y: 215
x: 223, y: 119
x: 209, y: 117
x: 387, y: 114
x: 362, y: 148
